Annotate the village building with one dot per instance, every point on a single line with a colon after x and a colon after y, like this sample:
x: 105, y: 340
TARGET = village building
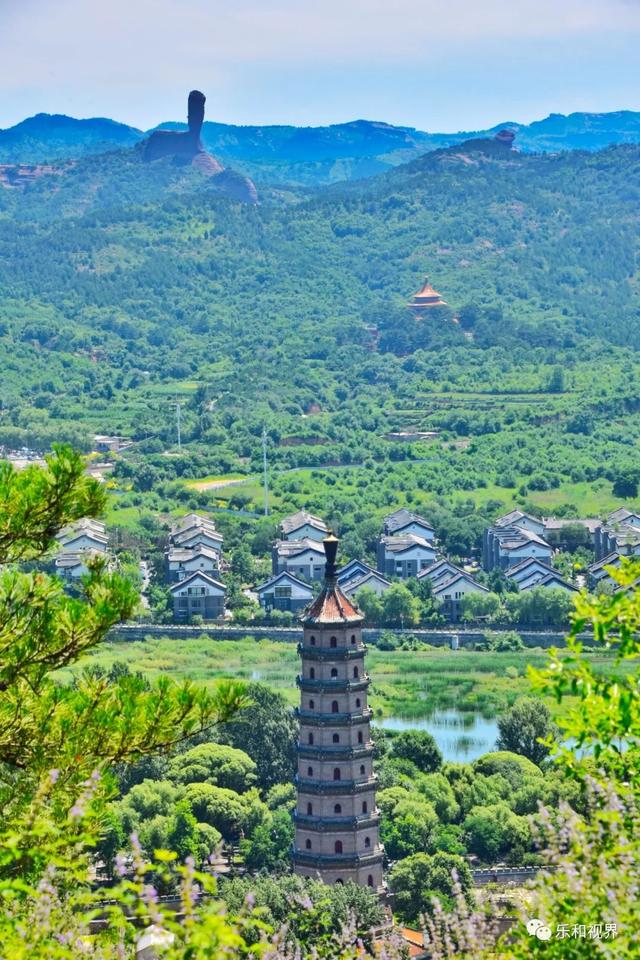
x: 529, y: 572
x: 443, y: 569
x: 105, y: 444
x: 85, y: 534
x: 523, y: 521
x: 353, y: 570
x: 371, y: 581
x: 303, y: 525
x: 554, y: 529
x: 452, y: 591
x: 404, y: 556
x: 194, y: 531
x: 426, y: 299
x: 336, y: 818
x: 72, y: 566
x: 303, y: 558
x: 284, y: 592
x: 181, y: 562
x: 597, y: 574
x: 198, y: 595
x: 620, y: 533
x: 506, y: 545
x: 403, y: 522
x: 552, y: 581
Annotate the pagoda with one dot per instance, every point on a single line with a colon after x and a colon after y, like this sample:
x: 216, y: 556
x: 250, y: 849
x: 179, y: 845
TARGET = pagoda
x: 426, y: 298
x: 336, y: 818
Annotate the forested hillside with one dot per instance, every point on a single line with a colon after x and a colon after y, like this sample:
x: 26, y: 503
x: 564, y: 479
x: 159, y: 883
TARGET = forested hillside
x: 124, y: 286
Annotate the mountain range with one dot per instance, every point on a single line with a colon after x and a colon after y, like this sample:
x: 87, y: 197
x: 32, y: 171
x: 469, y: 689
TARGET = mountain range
x: 309, y: 155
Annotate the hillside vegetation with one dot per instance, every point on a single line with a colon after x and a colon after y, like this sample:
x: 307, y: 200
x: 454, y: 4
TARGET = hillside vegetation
x: 126, y: 286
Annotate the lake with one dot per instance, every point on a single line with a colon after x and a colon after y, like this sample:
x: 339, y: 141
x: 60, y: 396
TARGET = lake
x: 460, y: 735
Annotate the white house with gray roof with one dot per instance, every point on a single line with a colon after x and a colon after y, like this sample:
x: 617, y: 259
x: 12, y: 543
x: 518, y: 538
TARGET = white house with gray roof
x: 506, y: 545
x: 198, y: 595
x: 303, y: 558
x: 451, y: 591
x: 371, y: 581
x: 303, y: 526
x: 181, y: 562
x: 353, y: 570
x: 403, y: 522
x: 284, y: 592
x: 404, y: 556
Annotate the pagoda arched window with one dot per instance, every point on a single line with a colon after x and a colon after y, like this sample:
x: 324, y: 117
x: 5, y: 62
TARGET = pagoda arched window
x: 335, y: 707
x: 367, y: 842
x: 337, y: 808
x: 309, y: 771
x: 310, y: 739
x: 370, y: 880
x: 312, y: 673
x: 336, y: 773
x: 307, y: 844
x: 358, y: 702
x: 336, y: 738
x: 365, y: 806
x: 312, y: 641
x: 360, y: 737
x: 362, y: 769
x: 333, y: 642
x: 309, y: 809
x: 353, y: 639
x: 334, y: 672
x: 356, y: 673
x: 337, y: 847
x: 311, y: 704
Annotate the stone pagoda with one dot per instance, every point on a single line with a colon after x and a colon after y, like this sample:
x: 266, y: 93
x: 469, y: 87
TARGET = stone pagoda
x: 336, y: 819
x: 426, y: 298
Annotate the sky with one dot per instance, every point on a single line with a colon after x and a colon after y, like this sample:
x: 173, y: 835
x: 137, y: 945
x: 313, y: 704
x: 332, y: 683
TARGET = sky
x: 439, y: 65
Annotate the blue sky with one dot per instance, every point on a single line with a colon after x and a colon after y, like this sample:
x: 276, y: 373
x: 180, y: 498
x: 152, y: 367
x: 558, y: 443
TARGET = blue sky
x: 432, y: 64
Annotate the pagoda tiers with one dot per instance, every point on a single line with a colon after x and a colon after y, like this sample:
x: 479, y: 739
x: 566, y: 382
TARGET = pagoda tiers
x: 426, y: 298
x: 336, y: 818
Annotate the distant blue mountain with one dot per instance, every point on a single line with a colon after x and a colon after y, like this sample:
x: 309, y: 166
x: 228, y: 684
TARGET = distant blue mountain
x: 310, y: 155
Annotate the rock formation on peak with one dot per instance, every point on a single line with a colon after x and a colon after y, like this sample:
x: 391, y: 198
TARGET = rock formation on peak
x: 186, y: 147
x: 505, y: 137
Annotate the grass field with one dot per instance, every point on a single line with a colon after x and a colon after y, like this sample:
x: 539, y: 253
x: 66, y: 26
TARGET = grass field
x: 405, y: 683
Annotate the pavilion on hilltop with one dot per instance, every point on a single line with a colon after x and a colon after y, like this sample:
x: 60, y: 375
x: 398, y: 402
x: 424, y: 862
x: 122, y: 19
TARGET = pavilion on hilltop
x: 426, y: 298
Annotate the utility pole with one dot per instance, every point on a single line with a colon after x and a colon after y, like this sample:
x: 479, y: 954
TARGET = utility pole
x: 265, y: 472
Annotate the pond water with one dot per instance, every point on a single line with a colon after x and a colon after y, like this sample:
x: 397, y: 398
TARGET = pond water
x: 460, y: 735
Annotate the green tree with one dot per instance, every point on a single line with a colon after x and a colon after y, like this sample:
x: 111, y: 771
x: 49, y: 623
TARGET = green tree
x: 267, y: 731
x: 419, y: 747
x: 527, y: 729
x: 400, y: 607
x: 419, y: 879
x: 214, y: 763
x: 371, y: 606
x: 494, y: 832
x: 408, y: 828
x: 625, y: 484
x: 85, y: 727
x: 182, y: 835
x: 479, y: 606
x: 269, y: 845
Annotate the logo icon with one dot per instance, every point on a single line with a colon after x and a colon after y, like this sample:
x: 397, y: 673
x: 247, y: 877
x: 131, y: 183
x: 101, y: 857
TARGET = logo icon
x: 536, y: 928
